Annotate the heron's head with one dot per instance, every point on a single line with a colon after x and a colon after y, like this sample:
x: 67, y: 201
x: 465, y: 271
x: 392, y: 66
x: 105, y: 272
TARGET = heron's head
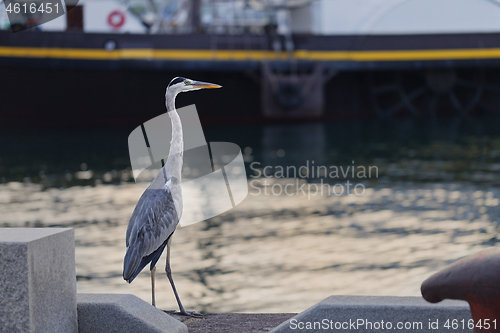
x: 181, y: 84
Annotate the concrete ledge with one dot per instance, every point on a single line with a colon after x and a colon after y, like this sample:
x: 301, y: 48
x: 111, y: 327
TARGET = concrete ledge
x: 354, y: 313
x: 37, y: 280
x: 108, y: 313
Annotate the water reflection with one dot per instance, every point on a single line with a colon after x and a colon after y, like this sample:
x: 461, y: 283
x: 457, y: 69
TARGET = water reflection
x: 273, y: 253
x: 293, y: 144
x: 436, y: 200
x: 56, y: 157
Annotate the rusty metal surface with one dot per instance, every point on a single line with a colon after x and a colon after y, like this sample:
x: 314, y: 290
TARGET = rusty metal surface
x: 475, y: 279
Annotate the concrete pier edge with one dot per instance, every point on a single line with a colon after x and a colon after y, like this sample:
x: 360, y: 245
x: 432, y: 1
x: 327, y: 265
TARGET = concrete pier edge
x: 127, y: 313
x: 108, y: 313
x: 37, y: 280
x: 376, y: 313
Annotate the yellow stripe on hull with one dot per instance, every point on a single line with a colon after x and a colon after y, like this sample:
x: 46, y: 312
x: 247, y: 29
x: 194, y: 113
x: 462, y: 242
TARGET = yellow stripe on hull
x: 247, y: 55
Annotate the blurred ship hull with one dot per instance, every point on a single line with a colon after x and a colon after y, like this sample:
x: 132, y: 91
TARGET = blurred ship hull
x: 375, y: 75
x: 242, y: 52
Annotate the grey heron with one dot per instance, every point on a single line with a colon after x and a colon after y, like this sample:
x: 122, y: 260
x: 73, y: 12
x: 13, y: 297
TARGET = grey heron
x: 159, y: 209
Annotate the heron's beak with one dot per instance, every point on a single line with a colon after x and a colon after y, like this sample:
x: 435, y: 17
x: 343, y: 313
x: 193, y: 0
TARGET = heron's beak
x: 205, y: 85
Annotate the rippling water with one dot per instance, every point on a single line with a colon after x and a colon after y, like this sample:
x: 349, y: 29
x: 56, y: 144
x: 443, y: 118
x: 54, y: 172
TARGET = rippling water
x: 273, y: 253
x: 435, y: 201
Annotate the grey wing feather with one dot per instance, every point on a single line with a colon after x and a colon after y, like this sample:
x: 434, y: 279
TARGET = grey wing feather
x: 154, y: 219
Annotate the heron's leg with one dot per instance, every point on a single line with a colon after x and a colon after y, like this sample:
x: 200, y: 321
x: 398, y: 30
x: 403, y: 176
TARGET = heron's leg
x: 153, y: 285
x: 169, y: 275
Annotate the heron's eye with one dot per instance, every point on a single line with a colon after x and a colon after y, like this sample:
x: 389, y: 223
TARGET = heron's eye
x: 186, y: 82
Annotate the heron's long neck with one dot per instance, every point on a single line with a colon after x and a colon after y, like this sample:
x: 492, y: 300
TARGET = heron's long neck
x: 174, y: 161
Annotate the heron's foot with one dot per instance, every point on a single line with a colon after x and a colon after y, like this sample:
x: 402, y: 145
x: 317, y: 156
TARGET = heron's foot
x: 192, y: 314
x: 186, y: 313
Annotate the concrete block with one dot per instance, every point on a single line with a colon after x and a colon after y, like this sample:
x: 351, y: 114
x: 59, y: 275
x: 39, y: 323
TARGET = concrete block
x: 37, y: 280
x: 108, y: 313
x: 380, y: 314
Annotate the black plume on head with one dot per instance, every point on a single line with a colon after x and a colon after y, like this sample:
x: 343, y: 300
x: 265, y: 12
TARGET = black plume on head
x: 176, y: 80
